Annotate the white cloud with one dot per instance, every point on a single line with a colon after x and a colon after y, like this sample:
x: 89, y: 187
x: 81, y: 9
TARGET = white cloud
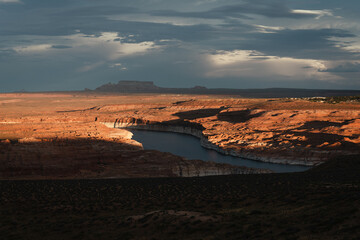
x: 118, y: 66
x: 245, y: 63
x: 176, y: 21
x: 89, y: 51
x: 267, y: 29
x: 106, y: 47
x: 91, y: 66
x: 318, y: 13
x: 10, y: 1
x: 31, y: 49
x: 222, y: 58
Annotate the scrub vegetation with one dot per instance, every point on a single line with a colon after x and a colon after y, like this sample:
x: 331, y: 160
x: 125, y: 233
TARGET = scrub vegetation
x: 322, y: 203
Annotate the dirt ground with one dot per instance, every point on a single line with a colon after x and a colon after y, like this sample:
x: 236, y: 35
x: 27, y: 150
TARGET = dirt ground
x: 40, y: 132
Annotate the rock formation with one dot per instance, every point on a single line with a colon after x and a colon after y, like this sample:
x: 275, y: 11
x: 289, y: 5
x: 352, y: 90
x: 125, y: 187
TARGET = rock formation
x: 128, y: 86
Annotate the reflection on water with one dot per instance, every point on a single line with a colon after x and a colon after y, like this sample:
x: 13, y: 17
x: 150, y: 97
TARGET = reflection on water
x: 189, y: 147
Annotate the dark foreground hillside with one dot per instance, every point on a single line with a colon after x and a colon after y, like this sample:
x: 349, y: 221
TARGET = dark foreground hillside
x: 323, y: 203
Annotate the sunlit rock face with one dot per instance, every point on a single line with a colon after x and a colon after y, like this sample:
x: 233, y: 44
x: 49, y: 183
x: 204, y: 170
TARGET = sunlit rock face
x: 289, y: 132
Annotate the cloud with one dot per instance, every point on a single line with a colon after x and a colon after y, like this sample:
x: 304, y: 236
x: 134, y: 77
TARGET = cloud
x: 240, y: 43
x: 317, y: 13
x: 118, y: 66
x: 223, y: 58
x: 10, y: 1
x: 268, y: 29
x: 97, y: 11
x: 103, y: 45
x: 32, y: 48
x: 60, y: 46
x: 89, y: 67
x: 106, y: 47
x: 243, y: 63
x: 301, y: 43
x: 348, y: 67
x: 270, y: 9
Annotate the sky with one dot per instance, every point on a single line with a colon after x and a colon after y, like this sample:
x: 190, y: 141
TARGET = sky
x: 53, y: 45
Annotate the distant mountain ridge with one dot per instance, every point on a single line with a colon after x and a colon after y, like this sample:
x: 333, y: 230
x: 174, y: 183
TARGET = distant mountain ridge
x: 150, y: 87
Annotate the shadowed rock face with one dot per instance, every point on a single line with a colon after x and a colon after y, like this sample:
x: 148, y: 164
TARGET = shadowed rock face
x: 238, y: 116
x: 319, y: 125
x: 201, y: 113
x: 85, y: 158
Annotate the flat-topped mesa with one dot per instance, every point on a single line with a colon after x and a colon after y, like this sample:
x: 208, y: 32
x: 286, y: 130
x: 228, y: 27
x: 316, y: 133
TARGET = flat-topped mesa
x: 128, y: 86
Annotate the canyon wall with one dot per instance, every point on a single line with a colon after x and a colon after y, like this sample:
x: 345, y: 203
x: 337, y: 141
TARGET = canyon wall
x: 204, y: 141
x: 295, y: 155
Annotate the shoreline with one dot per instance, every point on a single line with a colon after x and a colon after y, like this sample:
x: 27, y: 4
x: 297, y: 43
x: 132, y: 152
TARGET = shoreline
x: 204, y: 142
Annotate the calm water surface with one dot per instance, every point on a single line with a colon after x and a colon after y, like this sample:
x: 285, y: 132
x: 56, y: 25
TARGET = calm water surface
x: 189, y: 147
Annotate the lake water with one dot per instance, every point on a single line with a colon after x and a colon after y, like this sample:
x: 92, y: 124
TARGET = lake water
x: 189, y: 147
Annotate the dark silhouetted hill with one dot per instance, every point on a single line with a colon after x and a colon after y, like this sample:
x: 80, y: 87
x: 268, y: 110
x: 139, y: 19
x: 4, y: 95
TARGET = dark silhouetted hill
x: 150, y: 87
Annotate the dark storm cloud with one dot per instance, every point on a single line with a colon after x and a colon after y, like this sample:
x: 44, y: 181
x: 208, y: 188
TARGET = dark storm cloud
x: 35, y: 37
x: 97, y: 11
x: 303, y: 43
x: 60, y: 46
x: 52, y: 22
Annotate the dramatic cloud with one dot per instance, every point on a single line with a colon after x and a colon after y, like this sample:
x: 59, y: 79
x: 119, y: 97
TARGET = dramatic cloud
x: 63, y: 45
x: 317, y: 13
x: 241, y: 63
